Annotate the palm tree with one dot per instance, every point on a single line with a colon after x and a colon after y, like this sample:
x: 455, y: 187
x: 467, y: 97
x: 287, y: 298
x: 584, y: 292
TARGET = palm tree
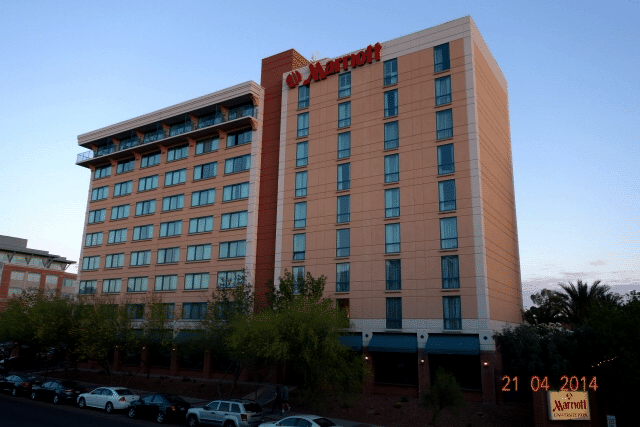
x: 579, y: 298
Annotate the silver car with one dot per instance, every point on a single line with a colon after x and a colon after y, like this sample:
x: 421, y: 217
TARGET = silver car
x: 109, y: 398
x: 302, y: 421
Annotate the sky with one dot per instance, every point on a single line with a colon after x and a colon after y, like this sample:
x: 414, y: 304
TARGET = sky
x: 71, y: 67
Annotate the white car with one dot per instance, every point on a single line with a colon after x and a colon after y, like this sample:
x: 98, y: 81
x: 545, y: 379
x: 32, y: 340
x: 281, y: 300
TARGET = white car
x: 302, y: 421
x: 109, y: 398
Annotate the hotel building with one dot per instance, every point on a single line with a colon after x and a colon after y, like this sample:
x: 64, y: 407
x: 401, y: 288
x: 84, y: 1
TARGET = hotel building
x: 388, y: 170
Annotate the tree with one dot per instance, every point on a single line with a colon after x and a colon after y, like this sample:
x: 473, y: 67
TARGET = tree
x: 445, y: 392
x: 547, y: 308
x: 578, y: 299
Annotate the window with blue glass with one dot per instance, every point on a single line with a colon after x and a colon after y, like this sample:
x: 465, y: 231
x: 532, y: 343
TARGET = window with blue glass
x: 344, y: 209
x: 450, y: 272
x: 235, y: 192
x: 142, y: 232
x: 303, y: 96
x: 237, y: 164
x: 235, y: 249
x: 392, y: 203
x: 201, y: 225
x: 300, y: 215
x: 150, y: 160
x: 240, y: 137
x: 447, y: 195
x: 100, y: 193
x: 203, y: 197
x: 203, y: 252
x: 391, y: 135
x: 342, y: 277
x: 344, y: 114
x: 145, y: 207
x: 394, y: 313
x: 177, y: 153
x: 344, y: 145
x: 343, y: 242
x: 444, y: 124
x: 392, y: 168
x: 390, y: 68
x: 102, y: 172
x: 452, y: 313
x: 175, y: 177
x: 302, y: 153
x: 170, y: 228
x: 232, y: 220
x: 172, y: 203
x: 120, y: 212
x: 207, y: 145
x: 344, y: 176
x: 448, y: 233
x: 301, y: 184
x: 180, y: 128
x: 298, y: 279
x: 208, y: 170
x: 122, y: 188
x: 441, y: 58
x: 303, y: 125
x: 443, y: 90
x: 393, y: 274
x: 125, y: 166
x: 344, y: 85
x: 446, y: 163
x: 299, y: 246
x: 148, y: 183
x: 392, y: 238
x: 391, y: 103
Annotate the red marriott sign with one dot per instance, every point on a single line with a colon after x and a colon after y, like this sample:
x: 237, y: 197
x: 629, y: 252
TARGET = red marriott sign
x: 317, y: 72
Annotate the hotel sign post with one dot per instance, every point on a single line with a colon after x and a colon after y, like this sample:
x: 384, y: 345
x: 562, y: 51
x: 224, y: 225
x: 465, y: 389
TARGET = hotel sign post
x: 568, y: 405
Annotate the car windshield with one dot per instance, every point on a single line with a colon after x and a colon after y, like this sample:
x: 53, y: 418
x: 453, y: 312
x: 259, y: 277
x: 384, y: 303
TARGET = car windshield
x: 323, y: 422
x: 123, y: 391
x: 252, y: 407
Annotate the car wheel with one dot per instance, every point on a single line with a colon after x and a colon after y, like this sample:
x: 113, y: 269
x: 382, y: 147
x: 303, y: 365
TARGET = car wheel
x: 160, y: 417
x: 82, y: 403
x: 109, y: 407
x: 132, y: 412
x: 14, y: 392
x: 33, y: 395
x: 192, y: 421
x: 56, y: 399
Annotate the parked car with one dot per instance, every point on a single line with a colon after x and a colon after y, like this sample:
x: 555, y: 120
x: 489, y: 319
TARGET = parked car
x: 159, y: 407
x: 57, y: 391
x: 227, y: 413
x: 109, y: 398
x: 18, y: 384
x: 301, y: 421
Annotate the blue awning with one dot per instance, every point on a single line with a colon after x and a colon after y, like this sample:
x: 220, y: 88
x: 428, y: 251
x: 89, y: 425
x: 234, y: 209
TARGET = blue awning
x: 353, y: 341
x: 452, y: 344
x: 394, y: 343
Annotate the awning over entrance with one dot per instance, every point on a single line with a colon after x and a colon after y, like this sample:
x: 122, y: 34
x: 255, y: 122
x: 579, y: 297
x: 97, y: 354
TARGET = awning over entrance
x: 452, y: 344
x: 353, y: 341
x: 394, y: 343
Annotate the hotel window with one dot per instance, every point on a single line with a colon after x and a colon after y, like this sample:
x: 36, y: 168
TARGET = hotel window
x: 177, y: 153
x: 122, y: 188
x: 168, y: 255
x: 299, y: 246
x: 391, y: 136
x: 450, y: 272
x: 391, y: 103
x: 343, y: 242
x: 344, y: 114
x: 344, y: 209
x: 441, y: 58
x: 175, y: 177
x: 117, y: 236
x: 128, y: 143
x: 235, y: 192
x: 19, y: 259
x: 146, y: 207
x: 390, y: 72
x: 392, y: 238
x: 392, y: 168
x: 444, y: 124
x: 234, y: 220
x: 446, y: 163
x: 393, y: 274
x: 297, y: 274
x: 200, y: 225
x: 140, y: 258
x: 204, y: 197
x: 180, y: 128
x: 135, y: 311
x: 230, y: 279
x: 344, y: 145
x: 172, y: 203
x: 199, y: 252
x: 240, y: 137
x: 166, y: 283
x: 303, y: 96
x: 143, y: 232
x: 392, y: 203
x: 300, y: 215
x: 102, y: 172
x: 171, y: 228
x: 36, y: 262
x: 207, y: 146
x: 194, y: 281
x: 448, y: 233
x: 114, y: 261
x: 237, y: 164
x: 194, y: 310
x: 137, y: 284
x: 148, y: 183
x: 301, y: 184
x: 97, y: 216
x: 169, y: 309
x: 120, y: 212
x: 452, y: 315
x: 302, y: 153
x: 342, y: 277
x: 155, y: 135
x: 111, y: 286
x: 93, y: 239
x: 149, y: 160
x: 235, y: 249
x: 99, y: 193
x: 52, y: 280
x: 208, y: 170
x: 19, y: 275
x: 87, y: 287
x: 344, y: 85
x: 210, y: 120
x: 303, y: 125
x: 443, y: 90
x: 125, y: 166
x: 447, y: 195
x: 344, y: 176
x: 91, y: 263
x: 33, y: 277
x: 394, y: 313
